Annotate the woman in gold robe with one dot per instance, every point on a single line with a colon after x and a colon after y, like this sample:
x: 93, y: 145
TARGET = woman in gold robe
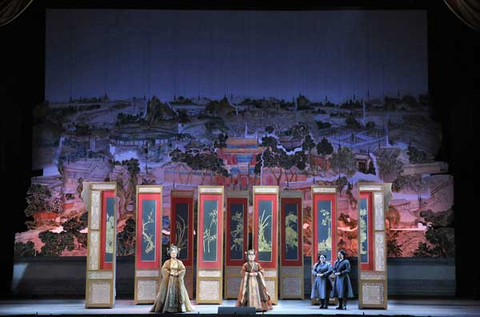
x: 172, y: 296
x: 253, y: 290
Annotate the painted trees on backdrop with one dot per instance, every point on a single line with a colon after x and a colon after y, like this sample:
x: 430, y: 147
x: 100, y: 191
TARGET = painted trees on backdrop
x: 343, y: 161
x: 221, y: 141
x: 127, y: 181
x: 324, y: 148
x: 390, y: 166
x: 278, y: 161
x: 205, y: 161
x: 308, y: 145
x: 71, y: 238
x: 40, y: 199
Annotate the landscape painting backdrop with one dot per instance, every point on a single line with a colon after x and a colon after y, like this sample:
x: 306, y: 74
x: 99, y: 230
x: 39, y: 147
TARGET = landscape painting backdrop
x: 237, y: 98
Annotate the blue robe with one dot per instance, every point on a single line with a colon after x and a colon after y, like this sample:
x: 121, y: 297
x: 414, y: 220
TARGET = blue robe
x: 342, y: 288
x: 322, y: 287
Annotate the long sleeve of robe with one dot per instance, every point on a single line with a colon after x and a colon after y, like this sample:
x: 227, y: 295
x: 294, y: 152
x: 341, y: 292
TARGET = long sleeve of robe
x: 172, y: 295
x: 322, y: 286
x: 253, y: 290
x: 342, y: 288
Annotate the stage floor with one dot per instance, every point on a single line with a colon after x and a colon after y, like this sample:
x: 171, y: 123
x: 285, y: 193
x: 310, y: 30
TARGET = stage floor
x: 396, y: 307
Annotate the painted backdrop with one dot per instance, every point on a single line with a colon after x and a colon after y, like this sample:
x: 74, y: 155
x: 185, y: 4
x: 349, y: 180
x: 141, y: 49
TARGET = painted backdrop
x: 183, y: 98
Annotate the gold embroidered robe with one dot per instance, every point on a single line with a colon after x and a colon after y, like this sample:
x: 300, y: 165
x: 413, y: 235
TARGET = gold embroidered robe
x: 172, y: 296
x: 253, y: 290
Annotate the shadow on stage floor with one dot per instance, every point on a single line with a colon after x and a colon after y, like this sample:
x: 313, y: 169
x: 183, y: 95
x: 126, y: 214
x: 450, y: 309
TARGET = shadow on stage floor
x: 396, y: 307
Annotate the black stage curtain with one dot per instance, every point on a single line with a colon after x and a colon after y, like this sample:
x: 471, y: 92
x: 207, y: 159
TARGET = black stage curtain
x: 11, y: 9
x: 467, y: 10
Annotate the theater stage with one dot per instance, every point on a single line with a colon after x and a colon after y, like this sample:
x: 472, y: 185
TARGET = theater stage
x: 397, y: 307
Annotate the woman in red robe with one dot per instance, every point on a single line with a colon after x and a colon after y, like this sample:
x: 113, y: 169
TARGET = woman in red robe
x: 253, y: 290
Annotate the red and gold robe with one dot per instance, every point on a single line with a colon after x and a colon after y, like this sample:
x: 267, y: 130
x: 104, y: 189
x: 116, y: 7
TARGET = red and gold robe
x: 253, y: 290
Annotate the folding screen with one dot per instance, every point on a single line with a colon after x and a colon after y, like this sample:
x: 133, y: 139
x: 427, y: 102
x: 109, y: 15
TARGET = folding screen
x: 236, y: 240
x: 100, y: 203
x: 210, y: 245
x: 324, y: 215
x: 148, y: 244
x: 181, y: 231
x: 324, y: 225
x: 291, y: 242
x: 373, y: 200
x: 265, y: 234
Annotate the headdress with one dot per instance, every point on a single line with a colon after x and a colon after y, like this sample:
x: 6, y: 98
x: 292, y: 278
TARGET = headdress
x: 173, y: 248
x: 251, y: 251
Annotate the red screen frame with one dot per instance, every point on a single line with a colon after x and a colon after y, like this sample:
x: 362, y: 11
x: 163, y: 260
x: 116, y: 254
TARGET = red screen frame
x: 189, y: 201
x: 158, y: 231
x: 370, y: 264
x: 324, y: 197
x: 298, y: 202
x: 230, y: 201
x: 103, y: 233
x: 218, y: 264
x: 274, y: 198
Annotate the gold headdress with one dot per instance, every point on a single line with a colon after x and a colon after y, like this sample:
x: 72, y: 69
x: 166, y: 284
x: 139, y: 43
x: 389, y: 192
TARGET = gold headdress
x: 173, y: 248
